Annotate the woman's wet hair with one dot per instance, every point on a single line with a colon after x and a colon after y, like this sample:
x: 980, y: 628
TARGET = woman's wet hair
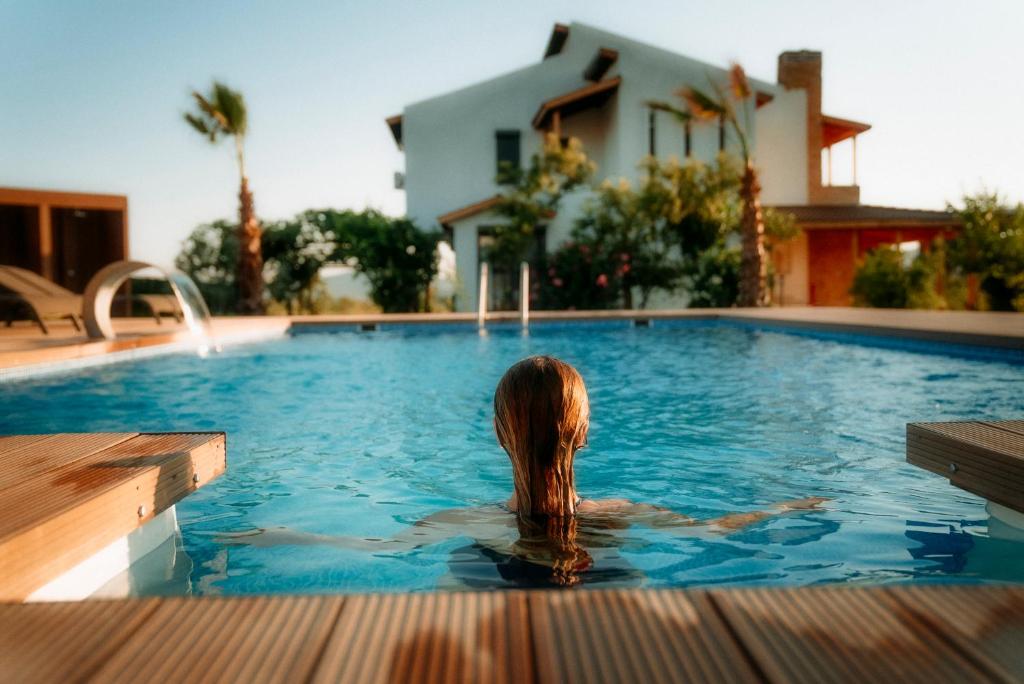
x: 541, y: 416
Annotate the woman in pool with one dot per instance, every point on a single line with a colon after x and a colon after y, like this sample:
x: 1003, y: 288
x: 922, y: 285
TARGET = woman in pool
x: 546, y: 533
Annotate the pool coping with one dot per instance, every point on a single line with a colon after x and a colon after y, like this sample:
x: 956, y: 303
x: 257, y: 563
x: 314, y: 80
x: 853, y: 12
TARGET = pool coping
x: 991, y: 330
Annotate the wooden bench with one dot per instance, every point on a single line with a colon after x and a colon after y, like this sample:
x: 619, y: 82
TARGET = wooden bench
x: 65, y: 497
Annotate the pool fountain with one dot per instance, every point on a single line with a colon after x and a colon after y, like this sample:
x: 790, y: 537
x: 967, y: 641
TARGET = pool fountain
x: 99, y: 295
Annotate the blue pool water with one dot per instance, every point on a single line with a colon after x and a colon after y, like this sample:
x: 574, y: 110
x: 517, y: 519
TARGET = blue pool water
x: 359, y: 435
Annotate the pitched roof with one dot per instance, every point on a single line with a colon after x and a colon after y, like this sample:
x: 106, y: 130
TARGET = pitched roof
x: 592, y: 95
x: 395, y: 124
x: 834, y: 129
x: 469, y: 210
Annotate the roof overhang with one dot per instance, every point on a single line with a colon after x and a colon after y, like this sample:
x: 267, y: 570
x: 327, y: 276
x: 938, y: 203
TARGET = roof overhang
x: 600, y: 64
x: 469, y: 210
x: 587, y: 97
x: 761, y: 98
x: 395, y: 124
x: 866, y: 216
x: 63, y: 199
x: 559, y: 34
x: 834, y: 129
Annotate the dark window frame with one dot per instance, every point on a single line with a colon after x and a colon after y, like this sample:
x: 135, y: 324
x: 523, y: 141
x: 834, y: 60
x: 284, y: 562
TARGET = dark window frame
x: 508, y: 155
x: 652, y: 140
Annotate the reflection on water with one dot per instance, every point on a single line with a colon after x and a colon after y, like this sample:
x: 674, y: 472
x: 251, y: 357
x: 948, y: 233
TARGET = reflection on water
x: 990, y: 550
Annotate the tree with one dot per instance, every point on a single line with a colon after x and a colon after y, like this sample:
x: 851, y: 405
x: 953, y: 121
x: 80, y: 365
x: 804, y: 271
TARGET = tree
x: 624, y: 228
x: 534, y: 195
x: 728, y: 108
x: 885, y: 280
x: 990, y: 248
x: 294, y: 252
x: 209, y: 255
x: 393, y: 254
x: 222, y: 113
x: 397, y: 259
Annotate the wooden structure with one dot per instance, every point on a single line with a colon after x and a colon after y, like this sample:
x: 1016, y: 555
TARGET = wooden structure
x: 63, y: 236
x: 984, y: 458
x: 65, y: 497
x: 836, y: 634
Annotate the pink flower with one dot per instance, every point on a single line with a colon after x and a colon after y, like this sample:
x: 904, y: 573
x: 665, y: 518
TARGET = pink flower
x: 624, y: 256
x: 602, y: 280
x: 557, y: 282
x: 624, y: 269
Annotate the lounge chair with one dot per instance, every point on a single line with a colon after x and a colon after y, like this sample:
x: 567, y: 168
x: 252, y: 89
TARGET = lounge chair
x: 44, y: 299
x: 161, y: 305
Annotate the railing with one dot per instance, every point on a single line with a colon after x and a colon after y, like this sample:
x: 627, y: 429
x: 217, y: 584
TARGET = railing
x: 481, y: 298
x: 524, y: 294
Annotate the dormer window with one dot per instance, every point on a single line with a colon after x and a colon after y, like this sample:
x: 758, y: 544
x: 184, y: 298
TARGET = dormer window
x: 507, y: 154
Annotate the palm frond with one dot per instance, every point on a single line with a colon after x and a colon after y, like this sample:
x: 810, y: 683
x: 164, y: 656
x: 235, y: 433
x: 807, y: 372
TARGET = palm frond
x: 738, y: 81
x: 701, y: 105
x: 202, y: 125
x: 681, y: 115
x: 231, y: 105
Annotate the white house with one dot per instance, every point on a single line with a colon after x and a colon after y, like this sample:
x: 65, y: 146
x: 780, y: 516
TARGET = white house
x: 595, y: 85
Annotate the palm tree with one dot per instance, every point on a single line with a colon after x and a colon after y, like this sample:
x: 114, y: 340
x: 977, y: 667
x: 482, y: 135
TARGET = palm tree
x: 222, y: 113
x: 728, y: 109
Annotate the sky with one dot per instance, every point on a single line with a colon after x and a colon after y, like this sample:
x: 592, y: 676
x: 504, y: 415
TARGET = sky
x: 92, y: 93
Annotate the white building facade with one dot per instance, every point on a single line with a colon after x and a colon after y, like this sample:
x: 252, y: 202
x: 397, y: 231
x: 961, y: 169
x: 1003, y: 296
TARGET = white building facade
x: 596, y: 86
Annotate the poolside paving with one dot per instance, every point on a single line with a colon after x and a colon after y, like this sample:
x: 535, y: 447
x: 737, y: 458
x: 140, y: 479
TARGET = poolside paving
x: 23, y: 346
x: 822, y: 634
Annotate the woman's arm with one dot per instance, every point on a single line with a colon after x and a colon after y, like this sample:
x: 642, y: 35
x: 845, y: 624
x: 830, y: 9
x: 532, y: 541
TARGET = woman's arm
x: 663, y: 518
x: 433, y: 529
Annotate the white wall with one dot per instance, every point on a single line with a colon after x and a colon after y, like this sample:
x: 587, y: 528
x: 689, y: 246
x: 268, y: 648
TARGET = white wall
x: 781, y: 149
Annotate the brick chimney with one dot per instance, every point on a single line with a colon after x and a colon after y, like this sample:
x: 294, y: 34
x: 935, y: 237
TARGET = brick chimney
x: 802, y: 69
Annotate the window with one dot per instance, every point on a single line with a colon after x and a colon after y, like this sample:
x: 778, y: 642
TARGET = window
x: 652, y: 148
x: 687, y: 140
x: 507, y: 148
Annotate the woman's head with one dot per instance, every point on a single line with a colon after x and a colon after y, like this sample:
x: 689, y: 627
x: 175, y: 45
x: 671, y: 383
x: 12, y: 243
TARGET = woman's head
x: 541, y: 416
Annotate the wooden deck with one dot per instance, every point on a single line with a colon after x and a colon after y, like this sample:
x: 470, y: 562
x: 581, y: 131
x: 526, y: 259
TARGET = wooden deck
x: 984, y: 458
x: 906, y: 634
x: 64, y: 497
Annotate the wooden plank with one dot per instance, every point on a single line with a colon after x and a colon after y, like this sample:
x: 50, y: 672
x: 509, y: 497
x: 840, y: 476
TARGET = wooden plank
x: 642, y: 636
x: 251, y: 639
x: 1015, y: 426
x: 966, y: 455
x: 958, y: 469
x: 986, y: 459
x: 981, y: 437
x: 987, y: 626
x: 14, y: 442
x: 836, y: 634
x: 840, y: 635
x: 53, y: 451
x: 456, y: 637
x: 59, y: 518
x: 62, y: 642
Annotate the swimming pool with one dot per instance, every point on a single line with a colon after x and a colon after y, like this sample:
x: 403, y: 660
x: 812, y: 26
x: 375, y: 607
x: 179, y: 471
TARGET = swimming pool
x: 362, y: 434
